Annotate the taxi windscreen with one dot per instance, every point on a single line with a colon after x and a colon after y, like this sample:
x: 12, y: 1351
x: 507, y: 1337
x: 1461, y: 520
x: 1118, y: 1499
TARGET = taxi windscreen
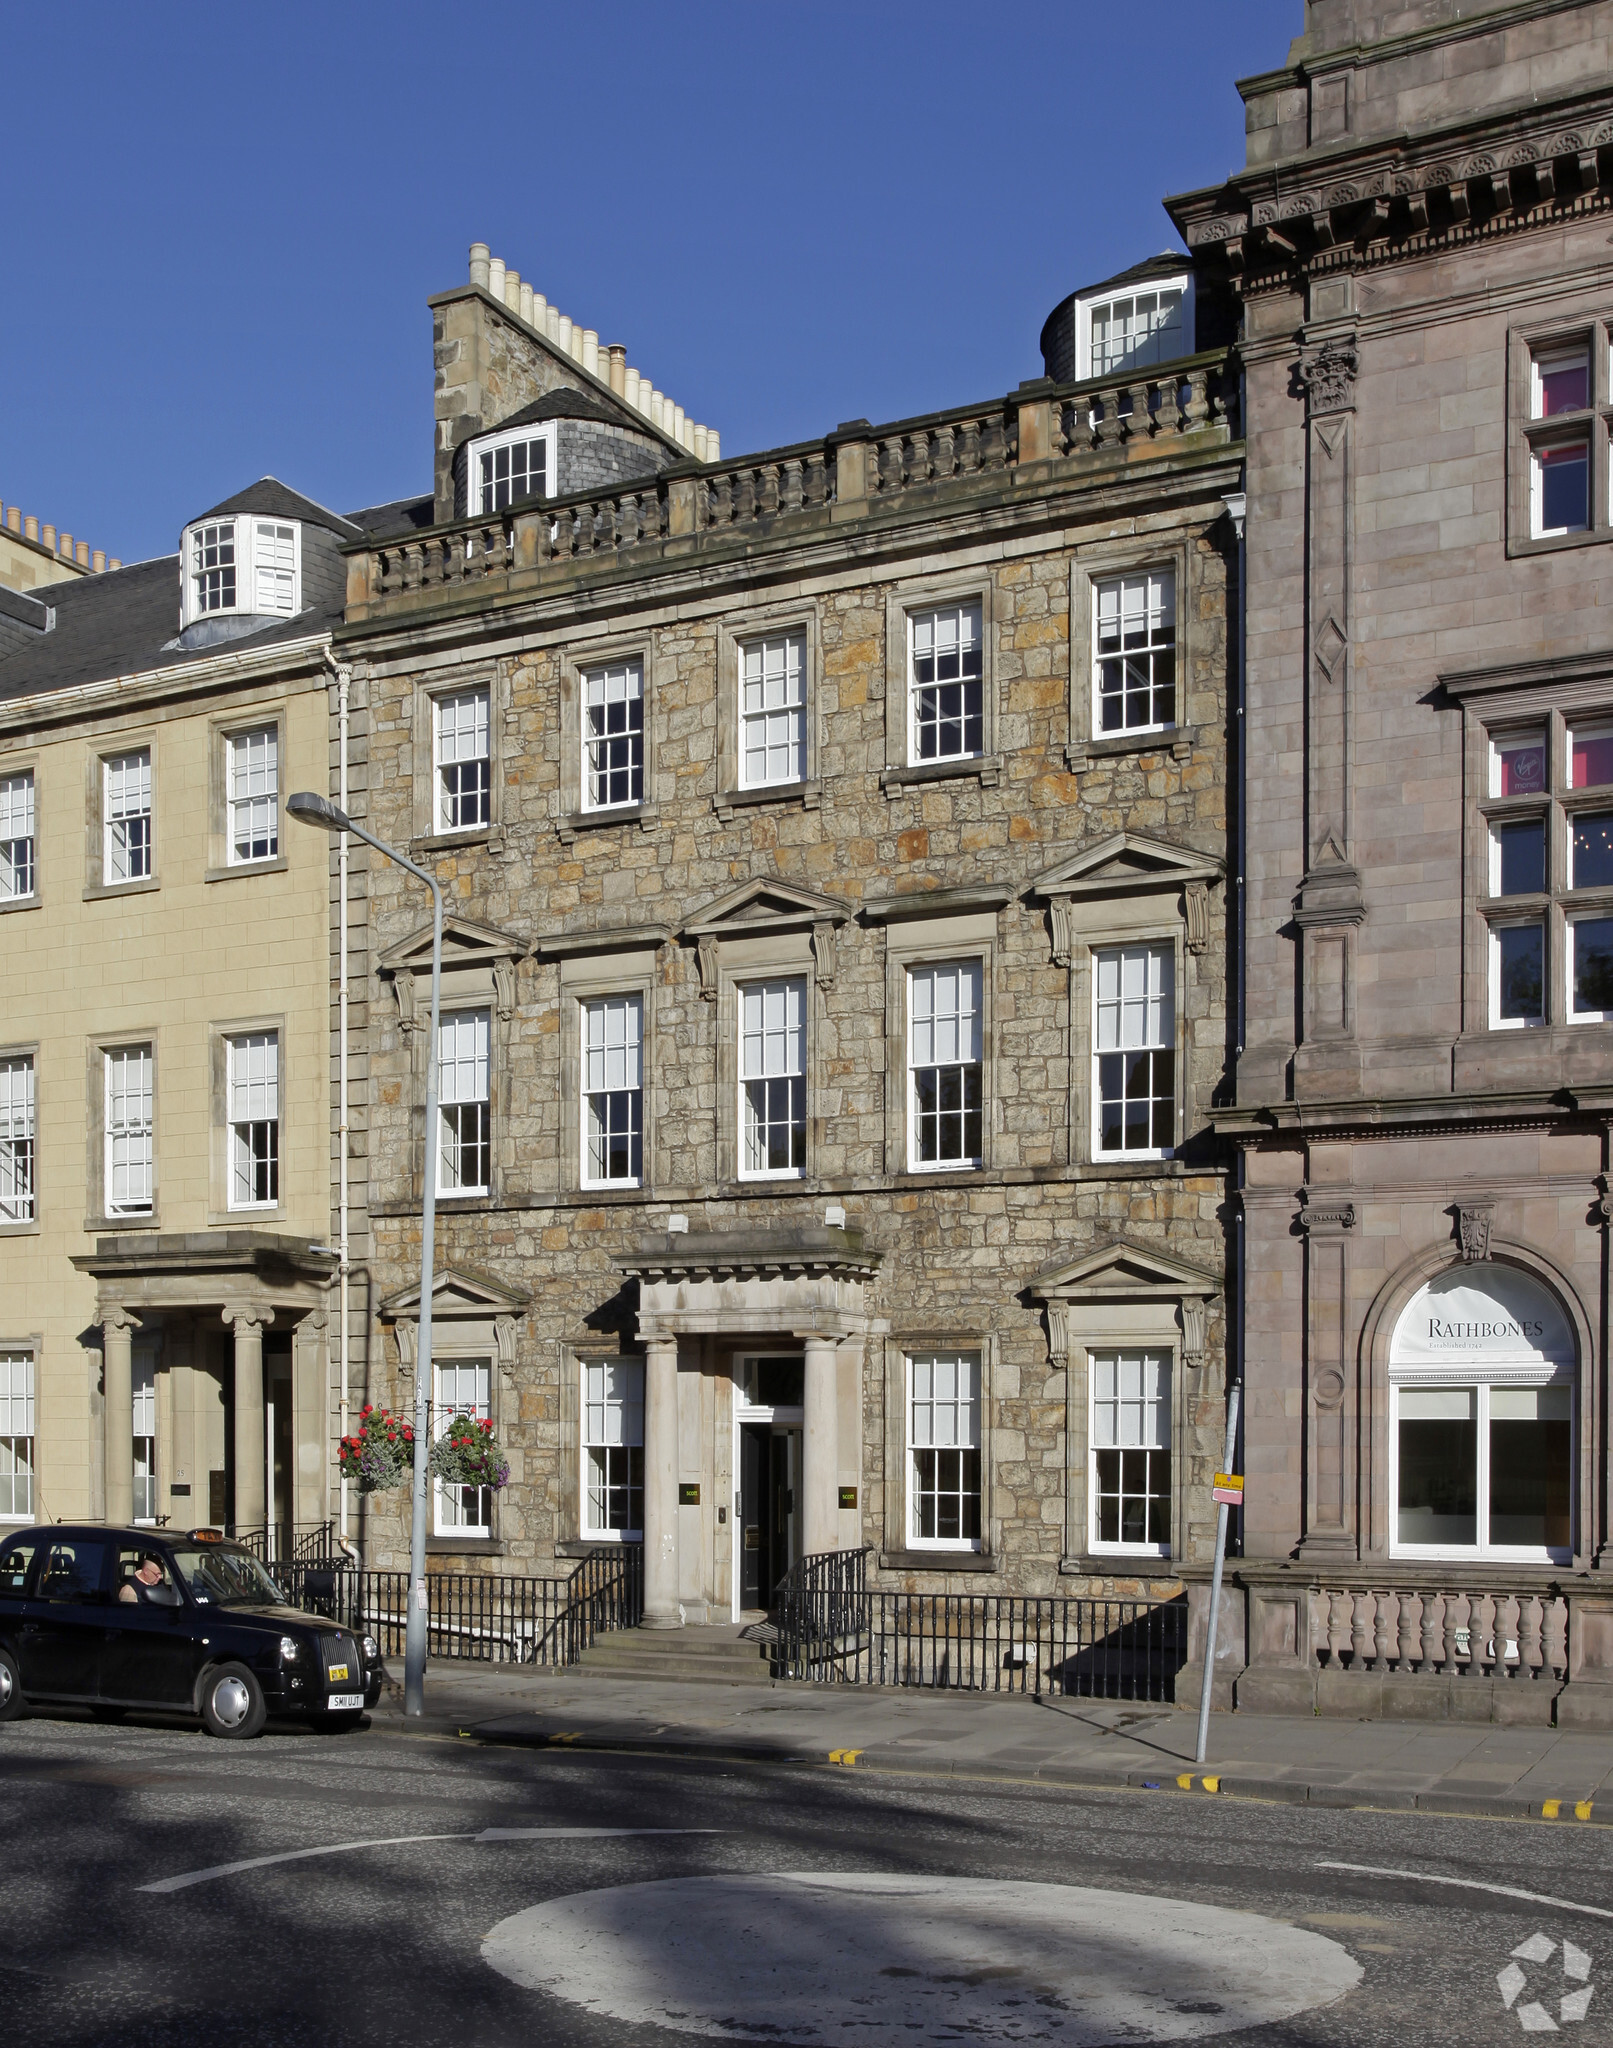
x: 225, y: 1576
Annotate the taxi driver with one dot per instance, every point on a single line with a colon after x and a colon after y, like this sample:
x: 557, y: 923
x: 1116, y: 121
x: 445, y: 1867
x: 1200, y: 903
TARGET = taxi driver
x: 145, y: 1580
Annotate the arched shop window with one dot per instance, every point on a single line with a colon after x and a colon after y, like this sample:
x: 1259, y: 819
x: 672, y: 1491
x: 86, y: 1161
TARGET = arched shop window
x: 1482, y: 1407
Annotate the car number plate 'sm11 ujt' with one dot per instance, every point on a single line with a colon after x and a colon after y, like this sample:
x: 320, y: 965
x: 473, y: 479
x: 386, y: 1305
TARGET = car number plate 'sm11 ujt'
x: 345, y: 1702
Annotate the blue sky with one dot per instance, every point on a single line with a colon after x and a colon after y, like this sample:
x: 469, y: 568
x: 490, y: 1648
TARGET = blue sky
x: 225, y: 221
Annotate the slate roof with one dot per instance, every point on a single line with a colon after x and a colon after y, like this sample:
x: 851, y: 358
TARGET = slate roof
x: 276, y: 500
x: 1056, y: 340
x: 400, y: 516
x: 566, y: 402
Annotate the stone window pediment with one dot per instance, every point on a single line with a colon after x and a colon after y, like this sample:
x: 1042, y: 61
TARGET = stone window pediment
x: 763, y: 909
x: 465, y: 1306
x: 477, y: 959
x: 1122, y: 1272
x: 1081, y: 890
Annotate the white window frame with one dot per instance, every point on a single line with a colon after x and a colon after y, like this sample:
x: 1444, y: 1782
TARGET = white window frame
x: 241, y: 805
x: 625, y: 666
x: 1540, y: 821
x: 252, y: 1100
x: 452, y: 1061
x: 771, y: 1033
x: 975, y: 1359
x: 19, y: 1150
x: 1526, y: 737
x: 449, y: 1518
x: 19, y: 1463
x: 1475, y: 1377
x: 1537, y: 922
x: 1591, y: 729
x: 1538, y: 530
x: 19, y: 827
x: 788, y: 685
x: 1570, y: 966
x: 1164, y: 574
x: 490, y: 444
x: 1162, y: 1405
x: 129, y: 1130
x: 266, y: 567
x: 599, y: 1062
x: 930, y: 614
x: 478, y: 699
x: 1549, y: 357
x: 1163, y: 950
x: 1181, y: 281
x: 620, y: 1415
x: 121, y: 808
x: 914, y: 971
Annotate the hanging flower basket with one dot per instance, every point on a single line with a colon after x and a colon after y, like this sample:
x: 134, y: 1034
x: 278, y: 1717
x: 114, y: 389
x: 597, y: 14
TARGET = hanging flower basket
x: 380, y: 1453
x: 467, y: 1454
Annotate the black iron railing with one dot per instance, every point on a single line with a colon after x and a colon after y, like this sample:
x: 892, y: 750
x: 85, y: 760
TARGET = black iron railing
x: 486, y: 1618
x: 290, y: 1542
x: 834, y: 1629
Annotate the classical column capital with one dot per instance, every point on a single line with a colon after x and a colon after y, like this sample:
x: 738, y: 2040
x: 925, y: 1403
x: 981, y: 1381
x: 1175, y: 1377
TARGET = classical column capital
x: 115, y: 1317
x: 247, y: 1317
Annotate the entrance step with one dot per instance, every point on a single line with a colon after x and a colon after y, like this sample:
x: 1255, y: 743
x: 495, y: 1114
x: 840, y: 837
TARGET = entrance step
x: 718, y: 1655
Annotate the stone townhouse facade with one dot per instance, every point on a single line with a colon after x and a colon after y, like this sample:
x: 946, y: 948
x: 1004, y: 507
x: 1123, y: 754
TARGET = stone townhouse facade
x: 169, y: 1263
x: 1419, y: 238
x: 834, y: 999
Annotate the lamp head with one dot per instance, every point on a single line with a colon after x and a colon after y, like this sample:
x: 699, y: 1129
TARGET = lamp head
x: 311, y: 809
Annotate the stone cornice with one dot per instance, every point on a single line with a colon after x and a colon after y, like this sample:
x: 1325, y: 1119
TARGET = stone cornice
x: 752, y: 1254
x: 1401, y: 194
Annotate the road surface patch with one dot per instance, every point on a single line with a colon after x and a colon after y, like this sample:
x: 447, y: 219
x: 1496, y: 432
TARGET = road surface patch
x: 186, y: 1878
x: 822, y: 1959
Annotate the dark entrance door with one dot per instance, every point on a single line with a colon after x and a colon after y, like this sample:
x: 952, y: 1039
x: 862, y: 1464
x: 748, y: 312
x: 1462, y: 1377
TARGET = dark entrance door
x: 767, y: 1479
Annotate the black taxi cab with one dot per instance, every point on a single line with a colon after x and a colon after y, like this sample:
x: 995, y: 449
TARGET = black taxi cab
x: 119, y: 1619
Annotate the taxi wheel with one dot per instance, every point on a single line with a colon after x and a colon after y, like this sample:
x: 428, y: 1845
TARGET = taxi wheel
x: 11, y: 1702
x: 232, y: 1703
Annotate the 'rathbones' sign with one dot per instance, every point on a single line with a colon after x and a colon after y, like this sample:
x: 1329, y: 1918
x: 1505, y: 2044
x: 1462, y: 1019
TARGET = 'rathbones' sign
x: 1514, y: 1330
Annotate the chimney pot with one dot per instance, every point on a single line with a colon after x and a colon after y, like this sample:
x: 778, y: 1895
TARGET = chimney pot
x: 30, y: 527
x: 98, y: 561
x: 82, y: 554
x: 576, y: 343
x: 512, y: 290
x: 495, y: 278
x: 14, y: 518
x: 590, y: 351
x: 630, y: 387
x: 551, y: 322
x: 713, y: 445
x: 618, y: 367
x: 114, y: 563
x: 677, y: 426
x: 478, y: 264
x: 700, y: 444
x: 526, y: 304
x: 48, y: 538
x: 540, y: 312
x: 564, y: 336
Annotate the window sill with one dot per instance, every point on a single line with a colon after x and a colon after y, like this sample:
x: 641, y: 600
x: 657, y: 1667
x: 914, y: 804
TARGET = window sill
x: 489, y: 836
x: 1176, y: 740
x: 986, y: 768
x: 585, y: 1546
x: 28, y: 1229
x: 808, y: 794
x: 1123, y: 1564
x: 477, y: 1198
x: 120, y: 1226
x: 248, y: 1218
x: 465, y: 1546
x: 21, y: 902
x: 1550, y: 543
x: 1130, y: 1168
x: 94, y: 891
x: 648, y: 816
x: 276, y: 866
x: 613, y: 1194
x: 951, y: 1176
x: 938, y: 1561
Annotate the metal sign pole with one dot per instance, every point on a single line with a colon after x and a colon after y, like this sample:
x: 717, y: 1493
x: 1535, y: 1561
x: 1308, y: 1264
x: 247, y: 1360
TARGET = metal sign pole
x: 1234, y: 1398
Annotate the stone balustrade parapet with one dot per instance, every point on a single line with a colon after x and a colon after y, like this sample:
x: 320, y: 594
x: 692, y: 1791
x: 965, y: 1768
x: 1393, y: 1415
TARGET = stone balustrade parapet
x: 1063, y: 433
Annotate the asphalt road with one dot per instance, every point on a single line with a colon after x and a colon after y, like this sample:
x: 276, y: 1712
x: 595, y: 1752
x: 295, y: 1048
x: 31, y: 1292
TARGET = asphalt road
x: 812, y: 1906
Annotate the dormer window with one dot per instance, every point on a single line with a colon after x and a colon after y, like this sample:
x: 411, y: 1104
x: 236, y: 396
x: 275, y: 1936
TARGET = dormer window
x: 1135, y: 329
x: 505, y: 468
x: 243, y: 565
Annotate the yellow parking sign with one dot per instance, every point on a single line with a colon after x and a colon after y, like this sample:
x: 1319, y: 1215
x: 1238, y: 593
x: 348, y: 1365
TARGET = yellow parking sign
x: 1228, y: 1489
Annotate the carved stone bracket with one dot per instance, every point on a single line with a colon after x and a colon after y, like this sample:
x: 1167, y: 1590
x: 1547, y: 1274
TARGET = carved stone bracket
x: 409, y: 1019
x: 1058, y: 1334
x: 1195, y: 1315
x: 706, y: 954
x: 407, y: 1333
x: 1326, y: 1219
x: 1474, y: 1221
x: 504, y: 1343
x: 1063, y: 931
x: 823, y: 954
x: 504, y: 988
x: 1328, y: 375
x: 1196, y: 915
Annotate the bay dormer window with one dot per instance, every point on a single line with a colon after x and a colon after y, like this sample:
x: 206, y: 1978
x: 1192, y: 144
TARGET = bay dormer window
x: 242, y: 566
x: 505, y: 468
x: 1136, y: 327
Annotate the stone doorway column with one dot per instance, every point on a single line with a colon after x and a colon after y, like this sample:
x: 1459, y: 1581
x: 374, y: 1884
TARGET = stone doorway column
x: 661, y: 1609
x: 820, y: 1476
x: 117, y: 1418
x: 251, y: 1451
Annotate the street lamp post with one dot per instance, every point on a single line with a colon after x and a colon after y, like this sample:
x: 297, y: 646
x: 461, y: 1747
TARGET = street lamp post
x: 310, y: 809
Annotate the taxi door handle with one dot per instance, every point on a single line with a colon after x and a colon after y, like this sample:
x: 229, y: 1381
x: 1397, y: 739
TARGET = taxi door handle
x: 29, y: 1628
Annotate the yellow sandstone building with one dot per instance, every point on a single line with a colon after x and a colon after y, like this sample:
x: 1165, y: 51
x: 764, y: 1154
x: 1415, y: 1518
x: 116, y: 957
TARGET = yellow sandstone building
x: 165, y: 1050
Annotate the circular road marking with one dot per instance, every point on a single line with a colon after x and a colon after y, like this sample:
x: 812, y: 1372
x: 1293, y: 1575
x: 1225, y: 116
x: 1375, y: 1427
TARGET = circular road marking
x: 863, y: 1959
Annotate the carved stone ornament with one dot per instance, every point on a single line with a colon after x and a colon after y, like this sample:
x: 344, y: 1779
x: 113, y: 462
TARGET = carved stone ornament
x: 823, y: 954
x: 1063, y: 931
x: 504, y: 988
x: 1196, y: 915
x: 1058, y: 1334
x: 1474, y: 1221
x: 403, y: 990
x: 1325, y: 1218
x: 504, y: 1342
x: 1195, y: 1329
x: 406, y: 1332
x: 706, y: 955
x: 114, y: 1317
x: 1328, y: 375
